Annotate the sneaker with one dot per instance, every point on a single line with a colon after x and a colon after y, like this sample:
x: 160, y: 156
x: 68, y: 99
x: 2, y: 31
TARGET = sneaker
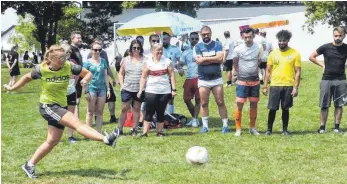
x: 286, y: 133
x: 133, y: 132
x: 112, y: 137
x: 159, y: 134
x: 121, y: 132
x: 144, y: 135
x: 29, y: 170
x: 225, y: 130
x: 204, y: 130
x: 196, y: 123
x: 268, y: 132
x: 253, y: 131
x: 72, y: 140
x: 321, y: 131
x: 338, y: 131
x: 190, y: 123
x: 237, y: 133
x: 113, y: 120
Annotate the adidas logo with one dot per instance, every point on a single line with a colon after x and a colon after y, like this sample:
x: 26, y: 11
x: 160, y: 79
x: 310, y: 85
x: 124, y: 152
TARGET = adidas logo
x: 56, y: 79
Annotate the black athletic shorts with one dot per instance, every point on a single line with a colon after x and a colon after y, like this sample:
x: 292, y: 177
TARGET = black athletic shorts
x: 228, y: 65
x: 71, y: 99
x: 333, y: 89
x: 127, y: 95
x: 280, y: 94
x: 53, y: 114
x: 113, y: 96
x: 262, y: 65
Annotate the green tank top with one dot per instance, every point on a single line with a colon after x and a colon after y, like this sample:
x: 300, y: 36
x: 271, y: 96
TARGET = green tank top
x: 54, y: 84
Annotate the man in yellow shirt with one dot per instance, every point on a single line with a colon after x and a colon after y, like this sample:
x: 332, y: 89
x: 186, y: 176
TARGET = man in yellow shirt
x: 284, y: 67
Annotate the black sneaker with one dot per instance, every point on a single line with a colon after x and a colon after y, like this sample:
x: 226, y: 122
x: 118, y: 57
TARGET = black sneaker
x: 144, y: 135
x: 112, y: 137
x: 113, y: 120
x: 159, y: 134
x: 30, y: 171
x: 72, y: 140
x: 338, y: 131
x: 121, y: 132
x: 268, y: 132
x: 133, y: 132
x: 286, y: 133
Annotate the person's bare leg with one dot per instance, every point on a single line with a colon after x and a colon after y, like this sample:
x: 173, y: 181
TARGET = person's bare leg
x: 71, y: 121
x: 160, y: 126
x: 218, y: 94
x: 146, y: 126
x: 99, y: 110
x: 53, y: 137
x: 71, y: 108
x: 123, y: 114
x: 338, y: 115
x: 190, y: 106
x: 90, y: 110
x: 136, y: 113
x: 197, y: 108
x: 324, y: 116
x: 204, y: 97
x: 77, y: 112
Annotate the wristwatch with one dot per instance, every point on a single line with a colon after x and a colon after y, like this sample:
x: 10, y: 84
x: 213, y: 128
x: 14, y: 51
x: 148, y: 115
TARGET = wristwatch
x: 174, y: 90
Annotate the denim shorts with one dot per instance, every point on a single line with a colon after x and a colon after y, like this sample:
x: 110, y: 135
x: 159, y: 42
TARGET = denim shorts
x: 97, y: 92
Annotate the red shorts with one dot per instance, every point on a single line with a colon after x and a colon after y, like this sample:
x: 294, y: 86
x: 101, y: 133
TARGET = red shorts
x: 191, y: 89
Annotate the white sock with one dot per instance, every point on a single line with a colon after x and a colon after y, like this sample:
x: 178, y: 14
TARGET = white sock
x: 106, y: 140
x: 225, y: 122
x: 205, y: 121
x: 30, y: 163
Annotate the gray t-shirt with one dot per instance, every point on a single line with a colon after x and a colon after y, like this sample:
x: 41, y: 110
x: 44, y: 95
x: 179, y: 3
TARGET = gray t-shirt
x: 248, y: 61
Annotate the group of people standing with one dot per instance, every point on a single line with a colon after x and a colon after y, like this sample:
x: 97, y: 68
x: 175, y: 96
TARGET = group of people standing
x: 148, y: 83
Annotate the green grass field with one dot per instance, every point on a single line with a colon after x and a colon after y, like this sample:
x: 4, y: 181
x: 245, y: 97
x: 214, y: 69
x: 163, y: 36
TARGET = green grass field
x: 304, y: 157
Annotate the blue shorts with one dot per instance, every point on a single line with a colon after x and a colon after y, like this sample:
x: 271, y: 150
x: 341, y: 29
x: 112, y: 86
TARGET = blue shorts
x: 246, y: 90
x: 97, y: 92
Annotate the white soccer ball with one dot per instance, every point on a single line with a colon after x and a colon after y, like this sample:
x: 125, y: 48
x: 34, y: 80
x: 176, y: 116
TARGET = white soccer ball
x: 197, y: 155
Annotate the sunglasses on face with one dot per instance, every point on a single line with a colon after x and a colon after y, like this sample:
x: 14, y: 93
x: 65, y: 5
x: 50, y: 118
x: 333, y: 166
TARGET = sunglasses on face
x: 206, y: 34
x: 97, y: 50
x: 155, y: 41
x: 136, y: 48
x: 194, y: 39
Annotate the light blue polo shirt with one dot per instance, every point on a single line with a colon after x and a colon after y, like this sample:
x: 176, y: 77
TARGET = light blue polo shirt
x: 188, y: 59
x: 173, y: 53
x: 211, y: 71
x: 98, y: 71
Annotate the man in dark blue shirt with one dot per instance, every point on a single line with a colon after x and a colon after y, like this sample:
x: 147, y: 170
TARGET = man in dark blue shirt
x: 209, y: 57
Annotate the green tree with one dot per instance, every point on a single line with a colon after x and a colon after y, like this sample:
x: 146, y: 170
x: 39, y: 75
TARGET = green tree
x: 333, y: 13
x: 185, y: 7
x: 23, y: 37
x: 46, y: 16
x: 69, y: 22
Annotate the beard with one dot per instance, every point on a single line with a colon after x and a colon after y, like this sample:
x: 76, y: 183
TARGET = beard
x: 338, y: 41
x: 206, y: 40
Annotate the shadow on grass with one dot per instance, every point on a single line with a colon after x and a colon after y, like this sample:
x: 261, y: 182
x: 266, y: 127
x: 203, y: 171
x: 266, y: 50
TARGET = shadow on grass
x: 97, y: 173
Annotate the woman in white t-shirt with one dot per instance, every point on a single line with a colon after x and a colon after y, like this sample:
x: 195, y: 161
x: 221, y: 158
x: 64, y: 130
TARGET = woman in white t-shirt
x: 159, y: 78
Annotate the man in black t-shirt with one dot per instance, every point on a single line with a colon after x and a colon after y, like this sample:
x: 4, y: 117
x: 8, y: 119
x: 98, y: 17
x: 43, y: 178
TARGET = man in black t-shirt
x: 333, y: 84
x: 76, y: 42
x: 35, y: 60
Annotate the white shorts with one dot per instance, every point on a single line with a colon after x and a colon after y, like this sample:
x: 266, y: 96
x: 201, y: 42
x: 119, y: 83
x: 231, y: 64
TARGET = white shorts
x: 210, y: 83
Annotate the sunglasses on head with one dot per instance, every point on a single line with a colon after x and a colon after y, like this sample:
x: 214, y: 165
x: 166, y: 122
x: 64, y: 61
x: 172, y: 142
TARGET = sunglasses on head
x: 136, y: 48
x: 155, y: 41
x: 97, y: 50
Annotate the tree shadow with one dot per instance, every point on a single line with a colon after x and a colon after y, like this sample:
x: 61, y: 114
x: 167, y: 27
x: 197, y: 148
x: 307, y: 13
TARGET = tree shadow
x: 93, y: 172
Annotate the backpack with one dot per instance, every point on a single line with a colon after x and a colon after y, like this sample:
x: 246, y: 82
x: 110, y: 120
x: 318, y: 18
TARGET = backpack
x: 174, y: 121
